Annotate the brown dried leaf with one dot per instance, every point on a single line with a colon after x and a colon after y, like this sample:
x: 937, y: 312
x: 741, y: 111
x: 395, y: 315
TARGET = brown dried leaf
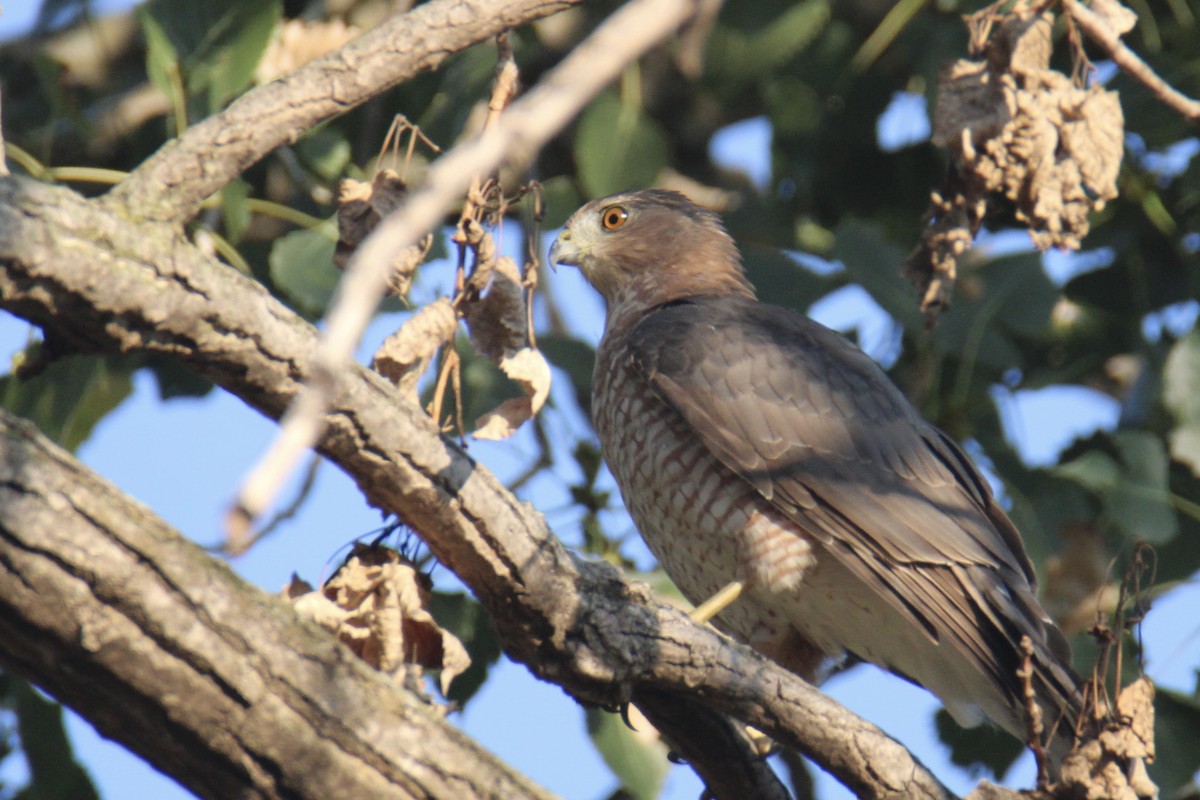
x: 377, y: 605
x: 504, y: 420
x: 497, y: 319
x: 529, y: 368
x: 1112, y: 764
x: 1023, y: 44
x: 1135, y: 703
x: 360, y: 208
x: 969, y: 103
x: 296, y: 587
x: 1092, y: 134
x: 1119, y: 18
x: 1051, y: 148
x: 320, y: 609
x: 404, y: 356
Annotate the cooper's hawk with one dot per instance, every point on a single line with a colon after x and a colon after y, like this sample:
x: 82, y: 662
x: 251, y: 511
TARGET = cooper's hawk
x: 760, y: 451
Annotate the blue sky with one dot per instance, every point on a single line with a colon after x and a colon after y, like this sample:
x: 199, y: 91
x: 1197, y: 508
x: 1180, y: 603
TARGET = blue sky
x: 153, y: 451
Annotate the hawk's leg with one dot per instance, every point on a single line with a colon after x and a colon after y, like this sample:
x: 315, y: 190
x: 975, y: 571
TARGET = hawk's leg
x: 718, y: 602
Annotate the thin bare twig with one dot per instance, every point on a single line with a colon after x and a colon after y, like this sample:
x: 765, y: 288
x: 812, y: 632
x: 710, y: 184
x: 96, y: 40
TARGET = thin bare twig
x: 237, y: 548
x: 1102, y: 34
x: 3, y: 153
x: 1033, y: 714
x: 527, y: 125
x: 172, y: 183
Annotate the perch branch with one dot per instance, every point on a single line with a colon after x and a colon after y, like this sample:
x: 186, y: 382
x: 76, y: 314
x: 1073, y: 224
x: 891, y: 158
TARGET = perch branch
x: 171, y: 184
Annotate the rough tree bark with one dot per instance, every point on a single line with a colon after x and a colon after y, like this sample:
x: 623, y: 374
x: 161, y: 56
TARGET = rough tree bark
x: 224, y: 688
x: 216, y: 683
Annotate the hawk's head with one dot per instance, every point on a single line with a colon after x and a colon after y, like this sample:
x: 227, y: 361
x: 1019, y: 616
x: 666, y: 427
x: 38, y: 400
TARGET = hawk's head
x: 654, y: 241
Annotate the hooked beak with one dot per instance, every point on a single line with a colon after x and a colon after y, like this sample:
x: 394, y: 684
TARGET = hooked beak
x: 564, y: 251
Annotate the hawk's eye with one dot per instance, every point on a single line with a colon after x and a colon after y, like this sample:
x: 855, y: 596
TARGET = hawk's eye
x: 613, y: 217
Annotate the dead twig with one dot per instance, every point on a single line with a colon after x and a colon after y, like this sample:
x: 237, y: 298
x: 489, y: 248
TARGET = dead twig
x: 1100, y: 32
x: 1033, y: 714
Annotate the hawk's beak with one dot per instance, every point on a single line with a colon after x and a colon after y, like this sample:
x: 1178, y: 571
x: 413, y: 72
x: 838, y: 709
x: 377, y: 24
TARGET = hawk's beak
x: 564, y: 251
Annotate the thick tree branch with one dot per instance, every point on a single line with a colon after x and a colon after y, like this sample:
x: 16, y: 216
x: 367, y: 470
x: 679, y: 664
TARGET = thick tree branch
x: 579, y: 625
x: 214, y: 682
x: 172, y: 183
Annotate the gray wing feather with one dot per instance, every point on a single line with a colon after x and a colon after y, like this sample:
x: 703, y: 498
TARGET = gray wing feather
x: 822, y: 433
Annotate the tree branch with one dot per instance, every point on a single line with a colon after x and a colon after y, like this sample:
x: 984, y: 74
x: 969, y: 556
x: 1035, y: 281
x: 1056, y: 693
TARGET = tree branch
x: 521, y: 131
x: 171, y: 184
x: 577, y: 624
x: 211, y: 680
x: 1100, y: 32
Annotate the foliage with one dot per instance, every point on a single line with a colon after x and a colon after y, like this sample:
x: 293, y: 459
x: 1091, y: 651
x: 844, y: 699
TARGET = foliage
x: 1121, y: 323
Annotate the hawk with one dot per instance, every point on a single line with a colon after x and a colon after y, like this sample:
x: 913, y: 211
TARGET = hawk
x: 786, y: 484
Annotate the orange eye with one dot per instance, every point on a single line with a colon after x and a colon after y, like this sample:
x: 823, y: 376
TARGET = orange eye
x: 613, y: 217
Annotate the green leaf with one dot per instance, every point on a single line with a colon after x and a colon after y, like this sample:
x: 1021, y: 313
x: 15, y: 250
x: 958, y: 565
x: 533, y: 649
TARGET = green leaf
x: 70, y: 396
x: 302, y: 267
x: 463, y: 616
x: 782, y: 281
x: 1093, y: 470
x: 874, y: 263
x: 176, y: 380
x: 1181, y: 395
x: 637, y: 758
x: 1003, y: 299
x: 1141, y: 503
x: 162, y: 61
x: 793, y: 106
x: 1131, y: 480
x: 1177, y: 740
x: 739, y: 55
x: 326, y: 152
x: 216, y: 43
x: 560, y: 199
x: 981, y: 747
x: 234, y: 211
x: 617, y: 147
x: 54, y: 774
x: 576, y: 359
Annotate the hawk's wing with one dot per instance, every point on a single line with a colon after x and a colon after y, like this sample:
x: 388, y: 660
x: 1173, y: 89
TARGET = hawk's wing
x: 824, y: 435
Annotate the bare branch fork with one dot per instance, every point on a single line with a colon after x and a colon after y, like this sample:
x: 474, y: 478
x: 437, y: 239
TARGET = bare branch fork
x: 1100, y: 32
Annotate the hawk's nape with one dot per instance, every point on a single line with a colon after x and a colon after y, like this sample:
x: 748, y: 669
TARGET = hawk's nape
x: 753, y: 445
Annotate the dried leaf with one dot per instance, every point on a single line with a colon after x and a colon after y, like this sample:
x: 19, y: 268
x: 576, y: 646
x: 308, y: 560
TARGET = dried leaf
x: 497, y: 318
x: 296, y: 587
x: 1027, y: 132
x: 404, y: 356
x: 1119, y: 18
x: 1112, y: 762
x: 1135, y: 703
x: 503, y: 420
x: 377, y: 605
x: 361, y: 206
x: 969, y: 101
x: 529, y: 368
